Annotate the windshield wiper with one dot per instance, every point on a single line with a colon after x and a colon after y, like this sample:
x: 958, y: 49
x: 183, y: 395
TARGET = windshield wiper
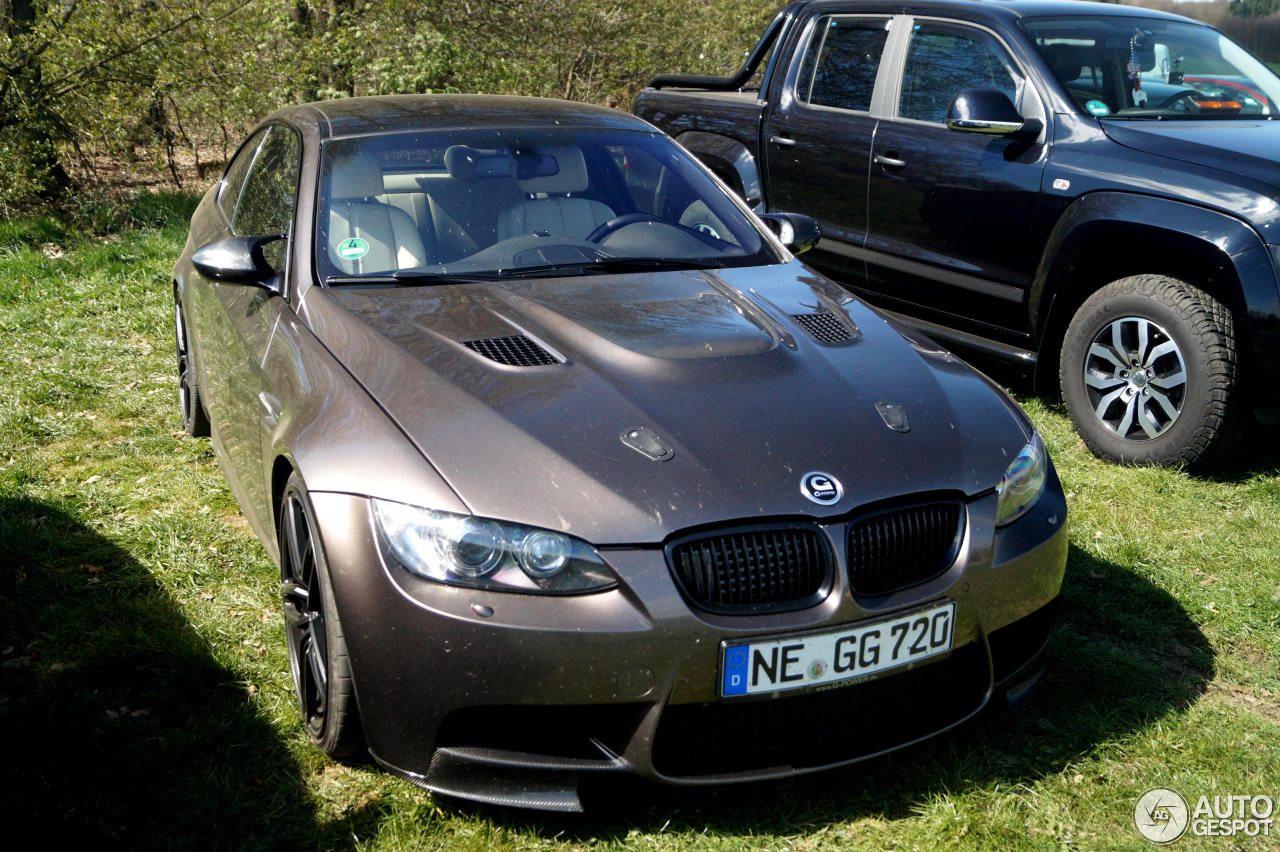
x: 408, y: 277
x: 606, y: 265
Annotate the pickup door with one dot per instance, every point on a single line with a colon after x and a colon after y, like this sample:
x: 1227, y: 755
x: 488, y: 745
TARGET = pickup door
x: 943, y: 219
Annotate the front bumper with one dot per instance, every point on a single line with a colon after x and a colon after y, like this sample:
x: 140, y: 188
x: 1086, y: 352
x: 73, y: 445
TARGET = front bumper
x: 513, y: 699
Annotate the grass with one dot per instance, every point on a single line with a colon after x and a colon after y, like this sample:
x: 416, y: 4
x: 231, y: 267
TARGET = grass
x: 144, y: 695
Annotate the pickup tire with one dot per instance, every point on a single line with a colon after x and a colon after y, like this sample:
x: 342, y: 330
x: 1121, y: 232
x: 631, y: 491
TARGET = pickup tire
x: 1150, y: 372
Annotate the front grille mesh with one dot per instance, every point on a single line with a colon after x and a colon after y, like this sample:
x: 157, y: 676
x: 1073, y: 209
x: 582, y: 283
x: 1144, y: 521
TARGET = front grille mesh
x: 753, y: 569
x: 513, y: 350
x: 897, y: 548
x: 823, y: 326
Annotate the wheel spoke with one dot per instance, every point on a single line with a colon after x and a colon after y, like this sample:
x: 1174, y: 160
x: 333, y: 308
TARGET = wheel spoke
x: 1143, y: 337
x: 315, y: 661
x: 1126, y: 422
x: 1098, y: 351
x: 1159, y: 352
x: 1147, y: 420
x: 291, y: 539
x: 1117, y: 338
x: 1099, y: 381
x: 1105, y: 403
x: 1164, y: 402
x: 1171, y: 381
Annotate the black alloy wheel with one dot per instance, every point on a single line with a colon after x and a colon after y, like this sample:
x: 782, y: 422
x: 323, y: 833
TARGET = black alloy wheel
x: 195, y: 422
x: 317, y: 651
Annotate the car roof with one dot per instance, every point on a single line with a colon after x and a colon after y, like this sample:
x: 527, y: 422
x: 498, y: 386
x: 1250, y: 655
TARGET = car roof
x: 394, y: 113
x: 1000, y: 9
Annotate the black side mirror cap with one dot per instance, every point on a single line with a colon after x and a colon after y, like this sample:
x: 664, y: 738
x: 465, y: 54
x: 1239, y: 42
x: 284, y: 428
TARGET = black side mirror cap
x: 990, y: 112
x: 236, y: 260
x: 798, y: 232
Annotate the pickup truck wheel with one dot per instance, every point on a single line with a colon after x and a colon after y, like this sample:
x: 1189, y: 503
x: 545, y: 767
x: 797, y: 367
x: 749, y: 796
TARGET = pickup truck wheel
x: 1149, y: 372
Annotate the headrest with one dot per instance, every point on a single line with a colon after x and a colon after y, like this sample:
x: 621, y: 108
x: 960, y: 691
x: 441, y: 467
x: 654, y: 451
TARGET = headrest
x: 1065, y: 60
x: 466, y: 163
x: 356, y: 176
x: 570, y: 177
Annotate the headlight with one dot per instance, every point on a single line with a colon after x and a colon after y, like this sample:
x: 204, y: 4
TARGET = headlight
x: 466, y: 551
x: 1022, y: 483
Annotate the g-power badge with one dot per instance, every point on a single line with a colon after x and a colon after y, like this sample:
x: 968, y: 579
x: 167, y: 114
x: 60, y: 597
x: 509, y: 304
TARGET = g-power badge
x: 822, y: 488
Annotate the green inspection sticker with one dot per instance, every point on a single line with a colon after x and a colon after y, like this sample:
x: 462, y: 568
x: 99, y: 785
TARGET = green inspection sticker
x: 353, y: 248
x: 1097, y: 108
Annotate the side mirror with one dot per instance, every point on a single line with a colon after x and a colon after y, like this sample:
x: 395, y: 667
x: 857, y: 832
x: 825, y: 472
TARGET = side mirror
x: 991, y: 112
x: 235, y: 260
x: 798, y: 232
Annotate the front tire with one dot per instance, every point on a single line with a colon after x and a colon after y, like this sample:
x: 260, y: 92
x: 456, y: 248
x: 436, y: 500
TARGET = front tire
x: 1150, y: 372
x: 318, y: 659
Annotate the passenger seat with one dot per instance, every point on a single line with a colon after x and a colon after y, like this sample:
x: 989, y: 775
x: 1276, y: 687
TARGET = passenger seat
x: 390, y: 238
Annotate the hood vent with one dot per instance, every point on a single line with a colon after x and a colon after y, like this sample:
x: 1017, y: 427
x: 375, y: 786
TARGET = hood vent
x: 513, y: 350
x: 825, y: 327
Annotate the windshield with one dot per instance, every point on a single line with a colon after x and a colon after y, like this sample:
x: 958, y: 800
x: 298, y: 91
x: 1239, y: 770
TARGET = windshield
x: 1140, y: 68
x: 463, y: 205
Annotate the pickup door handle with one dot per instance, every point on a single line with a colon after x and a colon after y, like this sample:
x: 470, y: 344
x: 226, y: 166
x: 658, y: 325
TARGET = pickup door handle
x: 890, y: 162
x: 782, y: 141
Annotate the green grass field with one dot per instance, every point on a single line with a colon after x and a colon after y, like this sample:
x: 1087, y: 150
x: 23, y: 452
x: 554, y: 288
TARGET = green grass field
x: 145, y: 700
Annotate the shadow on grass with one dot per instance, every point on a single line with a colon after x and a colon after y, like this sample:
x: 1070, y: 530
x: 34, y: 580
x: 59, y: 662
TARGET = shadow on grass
x: 120, y: 728
x: 1124, y: 655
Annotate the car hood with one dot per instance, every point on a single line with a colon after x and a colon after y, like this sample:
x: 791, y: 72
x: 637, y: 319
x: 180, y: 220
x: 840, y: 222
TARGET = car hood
x: 1243, y: 147
x: 712, y: 363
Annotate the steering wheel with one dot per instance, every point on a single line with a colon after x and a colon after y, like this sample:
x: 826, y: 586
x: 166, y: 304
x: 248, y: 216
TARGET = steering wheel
x: 617, y: 223
x: 1186, y: 94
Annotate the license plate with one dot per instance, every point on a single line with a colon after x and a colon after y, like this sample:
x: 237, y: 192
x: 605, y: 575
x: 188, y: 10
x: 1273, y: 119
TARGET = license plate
x: 852, y: 651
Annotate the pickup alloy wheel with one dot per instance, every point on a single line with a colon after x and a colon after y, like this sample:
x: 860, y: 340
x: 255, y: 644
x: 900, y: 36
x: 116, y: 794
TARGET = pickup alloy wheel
x: 1149, y: 372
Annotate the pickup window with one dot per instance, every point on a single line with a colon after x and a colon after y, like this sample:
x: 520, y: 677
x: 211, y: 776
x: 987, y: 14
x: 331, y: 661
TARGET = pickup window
x: 847, y: 52
x: 944, y: 58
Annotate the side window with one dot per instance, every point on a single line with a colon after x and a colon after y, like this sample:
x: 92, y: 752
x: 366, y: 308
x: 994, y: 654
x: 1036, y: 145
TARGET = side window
x: 944, y: 58
x: 233, y: 180
x: 266, y: 204
x: 840, y: 70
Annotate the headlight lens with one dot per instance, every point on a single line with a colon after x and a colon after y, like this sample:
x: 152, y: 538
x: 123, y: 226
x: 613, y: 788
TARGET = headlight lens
x: 467, y: 551
x: 1022, y: 483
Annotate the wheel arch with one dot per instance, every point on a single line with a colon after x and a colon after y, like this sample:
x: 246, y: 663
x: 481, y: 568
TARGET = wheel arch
x: 732, y: 161
x: 1106, y: 236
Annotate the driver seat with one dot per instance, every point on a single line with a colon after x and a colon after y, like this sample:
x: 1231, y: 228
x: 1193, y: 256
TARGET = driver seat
x: 550, y: 207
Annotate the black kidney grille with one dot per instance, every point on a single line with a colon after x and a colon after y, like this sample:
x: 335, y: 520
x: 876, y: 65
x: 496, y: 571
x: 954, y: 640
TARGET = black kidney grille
x: 823, y: 326
x: 896, y: 548
x: 514, y: 350
x: 821, y: 728
x: 753, y: 569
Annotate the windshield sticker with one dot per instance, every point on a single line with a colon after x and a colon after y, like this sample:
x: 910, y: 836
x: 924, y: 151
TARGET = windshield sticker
x: 1097, y: 108
x: 353, y: 248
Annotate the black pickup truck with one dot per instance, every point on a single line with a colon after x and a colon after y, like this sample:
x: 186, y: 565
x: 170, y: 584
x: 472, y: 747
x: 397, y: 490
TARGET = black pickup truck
x: 1090, y: 189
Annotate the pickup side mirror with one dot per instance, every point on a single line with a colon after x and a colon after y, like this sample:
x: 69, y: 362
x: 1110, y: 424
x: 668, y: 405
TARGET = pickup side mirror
x: 798, y: 232
x: 991, y: 112
x: 236, y: 260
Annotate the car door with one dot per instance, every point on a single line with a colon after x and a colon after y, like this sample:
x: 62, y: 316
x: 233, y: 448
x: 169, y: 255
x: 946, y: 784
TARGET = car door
x: 950, y: 214
x: 244, y: 317
x: 818, y: 134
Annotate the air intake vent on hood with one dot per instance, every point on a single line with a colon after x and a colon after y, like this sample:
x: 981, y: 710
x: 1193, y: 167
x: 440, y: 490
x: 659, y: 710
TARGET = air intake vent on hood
x: 824, y: 326
x: 514, y: 350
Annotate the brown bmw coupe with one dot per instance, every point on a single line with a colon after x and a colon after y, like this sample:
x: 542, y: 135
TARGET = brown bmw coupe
x: 571, y: 469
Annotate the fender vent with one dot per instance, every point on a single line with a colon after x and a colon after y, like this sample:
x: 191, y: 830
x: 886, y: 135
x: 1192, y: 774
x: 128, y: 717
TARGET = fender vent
x: 514, y: 350
x: 824, y: 327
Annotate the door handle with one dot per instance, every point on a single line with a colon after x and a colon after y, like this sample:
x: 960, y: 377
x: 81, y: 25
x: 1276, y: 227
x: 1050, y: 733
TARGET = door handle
x: 782, y: 141
x: 890, y: 162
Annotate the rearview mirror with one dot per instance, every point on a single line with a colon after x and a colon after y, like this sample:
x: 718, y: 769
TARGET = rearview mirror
x: 991, y: 112
x: 798, y: 232
x: 235, y: 260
